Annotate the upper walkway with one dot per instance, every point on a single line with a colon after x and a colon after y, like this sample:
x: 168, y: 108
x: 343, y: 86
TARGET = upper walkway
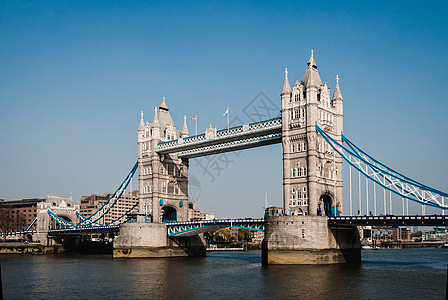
x: 235, y: 138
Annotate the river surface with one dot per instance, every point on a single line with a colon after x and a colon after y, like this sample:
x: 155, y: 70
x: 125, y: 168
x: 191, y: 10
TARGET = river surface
x: 383, y: 274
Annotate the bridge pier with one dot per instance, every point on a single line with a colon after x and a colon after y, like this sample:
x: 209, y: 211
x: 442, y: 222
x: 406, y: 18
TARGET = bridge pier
x: 139, y: 240
x: 308, y: 240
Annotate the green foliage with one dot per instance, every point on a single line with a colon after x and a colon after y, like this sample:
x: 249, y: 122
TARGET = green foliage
x: 243, y: 234
x: 225, y: 233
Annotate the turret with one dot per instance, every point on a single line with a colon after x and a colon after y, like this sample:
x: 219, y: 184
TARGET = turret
x: 141, y: 126
x: 286, y: 91
x: 156, y: 126
x: 338, y: 104
x: 184, y: 132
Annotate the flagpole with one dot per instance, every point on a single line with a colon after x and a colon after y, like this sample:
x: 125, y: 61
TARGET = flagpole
x: 228, y: 113
x: 196, y: 128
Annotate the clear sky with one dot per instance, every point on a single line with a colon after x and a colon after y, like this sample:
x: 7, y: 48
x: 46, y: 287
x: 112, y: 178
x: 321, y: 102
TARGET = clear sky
x: 74, y: 76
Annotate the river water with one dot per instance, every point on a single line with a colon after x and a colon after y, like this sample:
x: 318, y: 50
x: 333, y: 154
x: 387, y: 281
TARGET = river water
x: 383, y: 274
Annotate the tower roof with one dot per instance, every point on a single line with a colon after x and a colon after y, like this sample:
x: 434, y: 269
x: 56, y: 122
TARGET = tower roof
x: 164, y: 116
x: 311, y: 76
x: 286, y: 87
x: 337, y: 91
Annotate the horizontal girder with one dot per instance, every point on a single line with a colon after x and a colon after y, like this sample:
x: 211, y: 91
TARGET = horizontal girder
x: 83, y: 230
x: 235, y: 138
x: 389, y: 220
x: 197, y: 227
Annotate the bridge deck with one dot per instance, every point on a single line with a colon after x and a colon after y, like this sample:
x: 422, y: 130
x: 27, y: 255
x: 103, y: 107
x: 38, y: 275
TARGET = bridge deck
x: 83, y: 230
x: 389, y: 220
x: 196, y: 227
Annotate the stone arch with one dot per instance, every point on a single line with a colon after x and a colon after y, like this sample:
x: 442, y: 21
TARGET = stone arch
x: 65, y: 217
x: 325, y: 206
x: 298, y: 212
x: 169, y: 214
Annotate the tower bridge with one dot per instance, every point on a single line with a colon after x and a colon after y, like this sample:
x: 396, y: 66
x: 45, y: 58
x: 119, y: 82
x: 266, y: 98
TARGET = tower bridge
x: 311, y: 227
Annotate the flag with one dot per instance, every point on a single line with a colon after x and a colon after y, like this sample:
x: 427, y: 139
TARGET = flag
x: 227, y: 111
x: 194, y: 117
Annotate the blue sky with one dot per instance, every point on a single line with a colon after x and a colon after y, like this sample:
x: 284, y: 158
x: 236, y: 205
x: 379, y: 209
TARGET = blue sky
x: 74, y: 77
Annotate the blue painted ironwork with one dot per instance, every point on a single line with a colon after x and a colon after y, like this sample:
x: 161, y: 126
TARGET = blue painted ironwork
x: 385, y: 176
x: 194, y: 227
x: 390, y: 220
x: 103, y: 210
x: 239, y: 137
x: 32, y: 223
x: 232, y: 145
x: 83, y: 229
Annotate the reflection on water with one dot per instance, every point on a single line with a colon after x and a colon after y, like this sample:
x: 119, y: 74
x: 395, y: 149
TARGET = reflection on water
x: 398, y: 274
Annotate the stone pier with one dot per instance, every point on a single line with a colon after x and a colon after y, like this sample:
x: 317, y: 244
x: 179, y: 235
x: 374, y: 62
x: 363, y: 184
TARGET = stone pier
x: 138, y: 240
x: 308, y: 240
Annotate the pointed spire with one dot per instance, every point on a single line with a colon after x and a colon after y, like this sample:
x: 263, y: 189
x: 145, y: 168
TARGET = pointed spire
x: 141, y: 126
x: 312, y: 61
x: 163, y: 104
x: 311, y: 76
x: 286, y: 88
x: 155, y: 123
x: 184, y: 132
x: 337, y: 91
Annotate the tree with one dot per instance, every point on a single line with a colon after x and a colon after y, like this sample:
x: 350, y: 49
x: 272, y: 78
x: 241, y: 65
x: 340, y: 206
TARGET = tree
x: 224, y: 233
x: 244, y: 234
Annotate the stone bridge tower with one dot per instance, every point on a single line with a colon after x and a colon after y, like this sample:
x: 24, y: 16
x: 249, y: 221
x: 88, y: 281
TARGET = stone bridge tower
x: 312, y: 172
x: 312, y: 179
x: 163, y: 179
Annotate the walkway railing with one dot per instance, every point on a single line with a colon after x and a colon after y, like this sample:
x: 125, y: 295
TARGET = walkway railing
x: 195, y: 227
x: 238, y: 132
x: 390, y: 220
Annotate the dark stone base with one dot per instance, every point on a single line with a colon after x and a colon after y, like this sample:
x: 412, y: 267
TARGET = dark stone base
x: 310, y: 257
x: 145, y: 252
x: 308, y: 240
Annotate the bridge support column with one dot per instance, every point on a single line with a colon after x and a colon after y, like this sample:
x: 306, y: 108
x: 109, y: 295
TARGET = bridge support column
x: 150, y: 240
x: 308, y: 240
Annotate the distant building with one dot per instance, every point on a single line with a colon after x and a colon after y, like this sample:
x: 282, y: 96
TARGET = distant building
x: 90, y: 204
x: 437, y: 234
x: 193, y: 213
x: 16, y: 215
x: 390, y: 234
x: 257, y: 236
